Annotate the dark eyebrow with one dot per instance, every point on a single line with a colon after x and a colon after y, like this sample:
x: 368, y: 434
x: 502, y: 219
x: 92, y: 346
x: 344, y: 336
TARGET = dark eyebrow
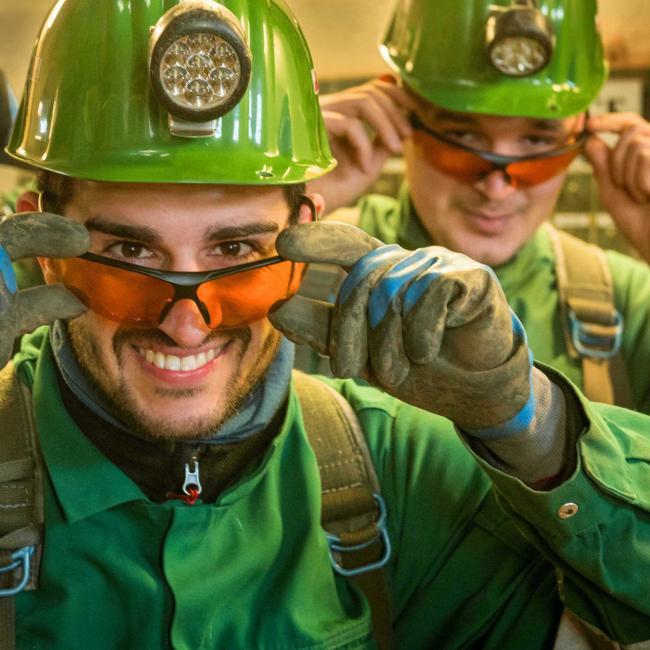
x: 462, y: 118
x: 551, y: 126
x: 125, y: 231
x: 223, y: 233
x: 147, y: 235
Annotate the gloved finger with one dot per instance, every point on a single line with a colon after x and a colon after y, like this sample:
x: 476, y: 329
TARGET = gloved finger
x: 328, y: 242
x: 43, y: 305
x: 349, y: 347
x: 467, y: 315
x: 425, y: 304
x: 424, y: 308
x: 35, y: 234
x: 304, y: 320
x: 388, y: 358
x: 8, y: 282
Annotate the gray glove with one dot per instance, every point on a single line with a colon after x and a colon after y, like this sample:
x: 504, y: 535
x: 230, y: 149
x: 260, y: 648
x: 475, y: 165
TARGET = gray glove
x: 430, y: 327
x: 29, y: 235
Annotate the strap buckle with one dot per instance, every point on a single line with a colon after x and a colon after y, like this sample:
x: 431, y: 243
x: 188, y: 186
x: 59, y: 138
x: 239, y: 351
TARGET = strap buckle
x: 336, y: 546
x: 20, y: 558
x: 596, y: 344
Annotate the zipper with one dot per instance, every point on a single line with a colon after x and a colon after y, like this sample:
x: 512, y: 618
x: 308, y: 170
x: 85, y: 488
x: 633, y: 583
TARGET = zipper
x: 191, y: 490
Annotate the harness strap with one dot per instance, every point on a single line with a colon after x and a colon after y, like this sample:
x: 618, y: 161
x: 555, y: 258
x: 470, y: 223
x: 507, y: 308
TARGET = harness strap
x: 592, y: 325
x: 353, y: 514
x: 21, y: 500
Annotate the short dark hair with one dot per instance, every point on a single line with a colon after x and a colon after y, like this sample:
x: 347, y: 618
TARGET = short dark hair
x: 57, y: 191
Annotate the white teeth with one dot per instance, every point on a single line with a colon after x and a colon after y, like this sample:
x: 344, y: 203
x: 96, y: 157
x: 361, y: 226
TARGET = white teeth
x: 174, y: 363
x: 188, y: 363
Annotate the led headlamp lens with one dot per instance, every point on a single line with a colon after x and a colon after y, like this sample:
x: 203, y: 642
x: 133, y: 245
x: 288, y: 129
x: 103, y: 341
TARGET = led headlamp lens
x: 519, y: 40
x: 200, y: 61
x: 518, y: 56
x: 200, y: 71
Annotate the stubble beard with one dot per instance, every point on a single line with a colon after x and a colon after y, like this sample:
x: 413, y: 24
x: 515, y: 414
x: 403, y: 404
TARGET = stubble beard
x: 142, y: 423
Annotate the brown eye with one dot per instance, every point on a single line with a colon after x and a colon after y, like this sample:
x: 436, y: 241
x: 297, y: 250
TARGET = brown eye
x: 131, y: 249
x: 230, y: 248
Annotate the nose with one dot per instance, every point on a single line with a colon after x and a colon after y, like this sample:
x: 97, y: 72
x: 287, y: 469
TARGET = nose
x: 495, y: 186
x: 185, y: 324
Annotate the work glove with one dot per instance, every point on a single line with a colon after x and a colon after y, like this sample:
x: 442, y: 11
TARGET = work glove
x: 430, y: 327
x: 30, y: 235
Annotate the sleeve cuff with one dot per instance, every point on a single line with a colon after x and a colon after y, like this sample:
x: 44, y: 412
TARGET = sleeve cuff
x: 592, y: 494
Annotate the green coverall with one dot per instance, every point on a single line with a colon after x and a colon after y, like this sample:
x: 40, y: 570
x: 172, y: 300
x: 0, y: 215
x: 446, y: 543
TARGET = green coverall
x: 252, y: 570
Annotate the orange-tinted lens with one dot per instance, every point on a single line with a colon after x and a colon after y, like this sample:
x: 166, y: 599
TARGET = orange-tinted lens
x: 462, y: 165
x: 117, y: 294
x: 469, y: 167
x: 532, y: 172
x: 245, y: 297
x: 135, y: 299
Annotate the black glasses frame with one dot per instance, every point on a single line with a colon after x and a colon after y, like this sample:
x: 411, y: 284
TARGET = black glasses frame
x: 186, y: 283
x: 499, y: 161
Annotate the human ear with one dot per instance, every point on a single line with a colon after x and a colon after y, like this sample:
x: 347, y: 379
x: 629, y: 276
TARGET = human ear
x: 305, y: 215
x: 27, y: 202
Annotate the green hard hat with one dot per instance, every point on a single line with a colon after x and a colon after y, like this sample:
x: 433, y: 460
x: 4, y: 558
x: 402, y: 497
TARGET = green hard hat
x: 173, y: 91
x: 441, y: 49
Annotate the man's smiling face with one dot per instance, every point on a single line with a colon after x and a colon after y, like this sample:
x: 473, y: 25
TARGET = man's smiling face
x: 182, y: 379
x: 488, y: 220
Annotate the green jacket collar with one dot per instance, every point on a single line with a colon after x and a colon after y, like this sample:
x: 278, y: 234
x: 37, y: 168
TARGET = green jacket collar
x: 84, y: 480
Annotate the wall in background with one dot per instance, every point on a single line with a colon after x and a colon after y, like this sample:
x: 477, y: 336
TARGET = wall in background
x: 343, y: 34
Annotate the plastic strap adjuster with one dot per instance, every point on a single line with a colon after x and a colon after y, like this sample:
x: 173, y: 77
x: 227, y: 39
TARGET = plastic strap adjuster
x: 335, y: 546
x: 597, y: 347
x: 20, y: 558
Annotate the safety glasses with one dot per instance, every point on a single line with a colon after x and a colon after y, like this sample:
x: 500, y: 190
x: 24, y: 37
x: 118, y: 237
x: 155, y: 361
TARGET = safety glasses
x: 470, y: 165
x: 143, y: 297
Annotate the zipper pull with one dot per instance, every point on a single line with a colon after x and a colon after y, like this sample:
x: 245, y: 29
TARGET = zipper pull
x: 192, y: 483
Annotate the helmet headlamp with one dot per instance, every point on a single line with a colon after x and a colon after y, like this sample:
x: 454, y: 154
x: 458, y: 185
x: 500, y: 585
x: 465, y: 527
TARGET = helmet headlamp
x: 200, y: 64
x: 519, y: 39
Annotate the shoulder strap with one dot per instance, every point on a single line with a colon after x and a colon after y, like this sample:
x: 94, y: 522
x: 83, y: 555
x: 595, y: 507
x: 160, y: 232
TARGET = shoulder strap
x: 21, y: 499
x: 353, y: 512
x: 592, y: 325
